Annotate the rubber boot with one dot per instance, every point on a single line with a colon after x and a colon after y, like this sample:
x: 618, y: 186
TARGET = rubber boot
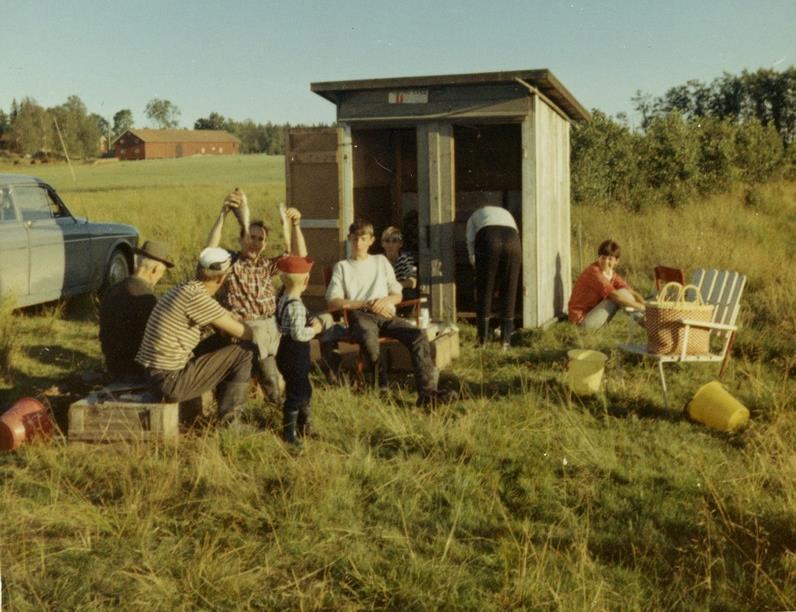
x: 303, y: 426
x: 506, y: 329
x: 268, y: 377
x: 289, y: 422
x: 232, y: 400
x: 482, y: 329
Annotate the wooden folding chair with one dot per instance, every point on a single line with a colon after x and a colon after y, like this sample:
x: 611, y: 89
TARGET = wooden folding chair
x: 665, y: 275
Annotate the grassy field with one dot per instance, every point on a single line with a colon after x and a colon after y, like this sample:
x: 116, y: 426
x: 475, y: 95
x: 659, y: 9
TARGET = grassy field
x: 518, y: 496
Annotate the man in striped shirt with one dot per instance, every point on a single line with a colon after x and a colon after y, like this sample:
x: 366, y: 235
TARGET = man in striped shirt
x: 174, y: 330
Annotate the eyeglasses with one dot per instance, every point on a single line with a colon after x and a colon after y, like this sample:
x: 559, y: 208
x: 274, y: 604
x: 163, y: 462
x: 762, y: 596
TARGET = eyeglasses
x: 393, y: 239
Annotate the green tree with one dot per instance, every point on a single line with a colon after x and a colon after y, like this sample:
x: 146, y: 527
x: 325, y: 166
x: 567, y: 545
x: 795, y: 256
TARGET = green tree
x: 80, y: 132
x: 164, y: 113
x: 213, y: 121
x: 604, y: 161
x: 122, y: 121
x: 31, y: 128
x: 669, y: 158
x: 759, y: 153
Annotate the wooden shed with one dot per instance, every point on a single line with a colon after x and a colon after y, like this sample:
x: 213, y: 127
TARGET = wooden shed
x: 162, y: 144
x: 423, y: 153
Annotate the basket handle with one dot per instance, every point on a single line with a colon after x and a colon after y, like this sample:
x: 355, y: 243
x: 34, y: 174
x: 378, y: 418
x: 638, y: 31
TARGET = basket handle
x: 663, y: 294
x: 698, y: 299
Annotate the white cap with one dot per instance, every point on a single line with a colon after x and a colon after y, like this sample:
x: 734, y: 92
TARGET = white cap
x: 215, y: 258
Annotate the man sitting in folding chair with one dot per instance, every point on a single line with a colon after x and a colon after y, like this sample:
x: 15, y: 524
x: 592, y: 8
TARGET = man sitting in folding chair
x: 600, y: 292
x: 365, y: 286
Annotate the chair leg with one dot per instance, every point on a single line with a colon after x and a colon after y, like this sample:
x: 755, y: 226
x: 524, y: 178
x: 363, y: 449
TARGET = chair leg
x: 663, y: 384
x: 726, y: 359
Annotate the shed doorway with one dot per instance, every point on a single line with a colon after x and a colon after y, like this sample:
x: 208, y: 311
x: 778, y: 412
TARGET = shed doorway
x: 385, y: 182
x: 488, y: 171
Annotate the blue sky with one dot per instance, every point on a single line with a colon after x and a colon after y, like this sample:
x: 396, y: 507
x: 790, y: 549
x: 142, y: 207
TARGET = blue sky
x: 256, y: 59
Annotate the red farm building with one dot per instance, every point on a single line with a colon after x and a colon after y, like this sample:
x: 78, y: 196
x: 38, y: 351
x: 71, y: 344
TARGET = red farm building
x: 161, y: 144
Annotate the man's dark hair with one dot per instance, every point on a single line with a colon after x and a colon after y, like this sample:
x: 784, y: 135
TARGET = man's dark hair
x: 609, y: 247
x: 360, y: 227
x: 258, y: 223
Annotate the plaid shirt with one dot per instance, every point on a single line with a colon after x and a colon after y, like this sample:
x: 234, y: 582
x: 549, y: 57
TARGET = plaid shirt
x: 249, y: 290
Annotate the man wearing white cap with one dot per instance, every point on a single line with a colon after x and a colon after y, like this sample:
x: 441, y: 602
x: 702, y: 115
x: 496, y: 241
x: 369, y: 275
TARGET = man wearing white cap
x: 174, y: 330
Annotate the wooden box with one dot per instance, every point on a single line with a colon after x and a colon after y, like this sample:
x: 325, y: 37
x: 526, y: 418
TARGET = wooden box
x: 444, y: 349
x: 127, y: 418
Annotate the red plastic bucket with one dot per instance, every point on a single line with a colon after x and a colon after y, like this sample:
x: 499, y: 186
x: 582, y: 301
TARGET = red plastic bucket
x: 24, y: 421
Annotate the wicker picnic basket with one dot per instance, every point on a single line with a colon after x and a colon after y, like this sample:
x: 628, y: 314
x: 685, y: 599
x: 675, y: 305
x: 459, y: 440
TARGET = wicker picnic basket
x: 665, y: 332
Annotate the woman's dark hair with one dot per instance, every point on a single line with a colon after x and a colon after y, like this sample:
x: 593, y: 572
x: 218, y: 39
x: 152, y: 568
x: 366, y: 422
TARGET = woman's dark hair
x: 609, y: 247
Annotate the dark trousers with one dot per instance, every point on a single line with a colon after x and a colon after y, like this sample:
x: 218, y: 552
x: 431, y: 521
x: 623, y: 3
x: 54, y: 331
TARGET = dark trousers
x: 498, y: 257
x: 229, y: 364
x: 366, y: 327
x: 293, y: 361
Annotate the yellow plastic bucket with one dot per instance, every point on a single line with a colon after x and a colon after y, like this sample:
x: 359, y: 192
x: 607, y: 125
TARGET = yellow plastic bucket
x: 713, y: 406
x: 585, y: 371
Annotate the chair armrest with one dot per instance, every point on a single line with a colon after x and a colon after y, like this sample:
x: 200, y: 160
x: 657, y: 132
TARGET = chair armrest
x: 708, y: 324
x: 415, y: 302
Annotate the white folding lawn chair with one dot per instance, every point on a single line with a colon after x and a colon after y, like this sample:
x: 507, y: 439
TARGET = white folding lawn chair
x: 722, y: 289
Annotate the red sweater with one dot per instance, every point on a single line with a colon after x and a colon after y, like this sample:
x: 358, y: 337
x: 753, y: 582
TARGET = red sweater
x: 590, y: 289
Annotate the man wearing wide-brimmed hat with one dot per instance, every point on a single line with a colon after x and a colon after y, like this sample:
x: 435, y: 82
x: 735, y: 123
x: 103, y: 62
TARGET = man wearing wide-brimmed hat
x: 125, y: 309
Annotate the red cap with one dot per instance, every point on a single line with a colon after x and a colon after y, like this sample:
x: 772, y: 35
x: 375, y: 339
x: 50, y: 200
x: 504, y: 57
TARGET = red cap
x: 293, y: 264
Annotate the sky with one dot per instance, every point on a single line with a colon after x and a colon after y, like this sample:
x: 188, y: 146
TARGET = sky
x: 256, y: 59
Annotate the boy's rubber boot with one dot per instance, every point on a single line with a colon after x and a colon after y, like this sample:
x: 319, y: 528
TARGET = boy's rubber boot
x: 303, y: 426
x: 289, y: 422
x: 482, y: 329
x: 232, y: 400
x: 268, y: 377
x: 506, y: 329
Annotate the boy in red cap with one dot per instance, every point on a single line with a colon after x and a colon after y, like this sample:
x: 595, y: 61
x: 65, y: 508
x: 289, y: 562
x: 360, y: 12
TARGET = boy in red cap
x: 293, y: 357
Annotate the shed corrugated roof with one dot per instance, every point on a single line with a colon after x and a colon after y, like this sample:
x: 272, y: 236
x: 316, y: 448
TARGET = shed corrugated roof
x: 183, y: 135
x: 541, y: 79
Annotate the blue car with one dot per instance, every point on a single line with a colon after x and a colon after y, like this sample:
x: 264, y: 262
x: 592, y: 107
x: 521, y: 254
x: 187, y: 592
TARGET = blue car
x: 46, y: 253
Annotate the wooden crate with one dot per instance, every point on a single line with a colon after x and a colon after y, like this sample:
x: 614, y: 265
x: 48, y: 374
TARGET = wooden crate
x: 128, y: 418
x: 444, y: 349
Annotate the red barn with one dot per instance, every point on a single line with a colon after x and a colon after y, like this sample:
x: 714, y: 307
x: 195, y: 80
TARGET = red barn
x: 161, y: 144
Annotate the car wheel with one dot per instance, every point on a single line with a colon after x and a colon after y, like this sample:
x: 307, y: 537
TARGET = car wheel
x: 118, y: 269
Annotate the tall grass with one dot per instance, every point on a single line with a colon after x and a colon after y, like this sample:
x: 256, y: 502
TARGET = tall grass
x: 520, y: 495
x: 10, y: 338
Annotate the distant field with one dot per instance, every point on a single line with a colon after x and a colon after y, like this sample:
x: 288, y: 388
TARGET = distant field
x: 518, y: 496
x: 175, y: 200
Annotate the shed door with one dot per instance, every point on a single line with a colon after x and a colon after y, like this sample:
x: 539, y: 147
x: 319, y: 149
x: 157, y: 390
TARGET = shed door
x: 312, y: 184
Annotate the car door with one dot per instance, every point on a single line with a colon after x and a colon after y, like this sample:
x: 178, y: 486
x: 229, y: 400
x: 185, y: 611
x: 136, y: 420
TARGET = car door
x: 45, y: 240
x: 77, y: 245
x: 14, y: 254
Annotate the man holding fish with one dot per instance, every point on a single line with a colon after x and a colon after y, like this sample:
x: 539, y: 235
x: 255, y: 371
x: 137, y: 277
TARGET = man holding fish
x: 249, y: 291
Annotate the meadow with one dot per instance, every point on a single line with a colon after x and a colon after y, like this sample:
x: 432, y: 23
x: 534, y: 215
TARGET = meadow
x: 519, y: 495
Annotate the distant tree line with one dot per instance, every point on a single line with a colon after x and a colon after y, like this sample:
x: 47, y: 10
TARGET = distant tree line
x: 695, y: 139
x: 30, y: 129
x: 254, y: 137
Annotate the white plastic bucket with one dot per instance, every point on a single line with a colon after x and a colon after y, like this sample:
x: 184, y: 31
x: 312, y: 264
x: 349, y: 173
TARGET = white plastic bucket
x: 585, y: 371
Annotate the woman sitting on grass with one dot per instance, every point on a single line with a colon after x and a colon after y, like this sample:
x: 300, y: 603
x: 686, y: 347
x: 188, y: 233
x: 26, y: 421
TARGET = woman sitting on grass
x: 599, y: 292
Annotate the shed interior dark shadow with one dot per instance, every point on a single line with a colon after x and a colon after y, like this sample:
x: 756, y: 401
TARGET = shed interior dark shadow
x: 488, y: 170
x: 385, y: 181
